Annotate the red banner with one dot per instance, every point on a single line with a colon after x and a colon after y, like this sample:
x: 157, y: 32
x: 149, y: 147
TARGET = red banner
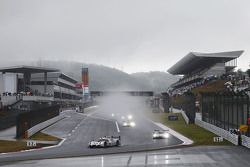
x: 248, y: 121
x: 85, y: 77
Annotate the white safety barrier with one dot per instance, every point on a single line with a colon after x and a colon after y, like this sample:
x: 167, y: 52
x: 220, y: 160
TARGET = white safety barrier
x: 185, y: 116
x: 175, y: 110
x: 218, y: 131
x: 245, y: 141
x: 198, y: 116
x: 161, y: 108
x: 43, y: 125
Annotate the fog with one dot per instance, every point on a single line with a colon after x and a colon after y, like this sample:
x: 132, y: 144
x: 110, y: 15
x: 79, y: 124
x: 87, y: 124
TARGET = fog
x: 120, y: 106
x: 130, y: 35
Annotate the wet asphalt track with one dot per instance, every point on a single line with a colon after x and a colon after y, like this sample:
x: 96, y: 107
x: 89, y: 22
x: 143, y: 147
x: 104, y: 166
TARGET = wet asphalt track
x: 78, y: 129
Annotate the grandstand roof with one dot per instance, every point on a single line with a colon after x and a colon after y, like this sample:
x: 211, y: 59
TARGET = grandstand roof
x: 195, y: 60
x: 27, y: 69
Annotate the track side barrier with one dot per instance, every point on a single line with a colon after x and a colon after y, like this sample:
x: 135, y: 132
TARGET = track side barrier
x: 185, y: 116
x: 218, y: 131
x: 245, y: 141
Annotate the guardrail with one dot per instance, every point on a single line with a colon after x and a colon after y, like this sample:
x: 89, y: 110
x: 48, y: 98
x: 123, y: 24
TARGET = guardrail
x: 43, y: 125
x: 218, y: 131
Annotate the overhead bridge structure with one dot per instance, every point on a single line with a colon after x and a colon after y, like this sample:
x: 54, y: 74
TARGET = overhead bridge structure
x: 132, y: 93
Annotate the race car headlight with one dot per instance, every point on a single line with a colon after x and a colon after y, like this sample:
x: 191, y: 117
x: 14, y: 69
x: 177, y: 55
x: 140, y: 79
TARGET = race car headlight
x: 130, y: 117
x: 154, y: 135
x: 166, y: 135
x: 132, y: 124
x: 125, y: 124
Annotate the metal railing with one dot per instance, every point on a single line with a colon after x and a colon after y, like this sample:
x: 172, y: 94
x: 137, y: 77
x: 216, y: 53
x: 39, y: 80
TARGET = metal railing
x: 226, y: 110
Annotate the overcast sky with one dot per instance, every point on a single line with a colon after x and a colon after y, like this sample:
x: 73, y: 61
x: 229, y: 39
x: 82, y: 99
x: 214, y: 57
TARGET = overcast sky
x: 131, y: 35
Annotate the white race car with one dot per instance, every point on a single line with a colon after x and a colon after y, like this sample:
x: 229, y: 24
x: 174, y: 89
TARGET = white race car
x: 128, y: 123
x: 106, y: 141
x: 160, y: 134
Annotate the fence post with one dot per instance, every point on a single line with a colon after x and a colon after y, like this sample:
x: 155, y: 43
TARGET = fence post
x: 26, y: 134
x: 248, y: 103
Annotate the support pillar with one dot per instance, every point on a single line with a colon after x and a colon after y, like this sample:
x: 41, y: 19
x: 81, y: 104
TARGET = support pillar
x: 45, y: 82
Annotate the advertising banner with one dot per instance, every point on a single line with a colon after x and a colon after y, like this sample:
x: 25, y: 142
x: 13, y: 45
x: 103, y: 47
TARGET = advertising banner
x: 85, y: 81
x: 85, y: 77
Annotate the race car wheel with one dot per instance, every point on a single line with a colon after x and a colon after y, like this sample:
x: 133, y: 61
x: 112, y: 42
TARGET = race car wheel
x: 117, y: 143
x: 105, y: 144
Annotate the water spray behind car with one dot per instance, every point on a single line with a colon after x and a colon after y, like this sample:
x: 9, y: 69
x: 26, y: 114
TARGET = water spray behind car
x: 123, y: 108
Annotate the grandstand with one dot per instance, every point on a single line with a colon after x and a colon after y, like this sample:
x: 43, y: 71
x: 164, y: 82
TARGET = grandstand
x: 199, y: 68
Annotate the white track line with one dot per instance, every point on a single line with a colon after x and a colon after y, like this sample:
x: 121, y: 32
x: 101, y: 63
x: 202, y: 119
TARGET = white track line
x: 117, y: 127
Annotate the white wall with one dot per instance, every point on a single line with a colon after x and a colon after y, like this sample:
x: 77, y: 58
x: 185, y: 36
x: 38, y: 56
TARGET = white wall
x: 1, y: 84
x: 9, y: 83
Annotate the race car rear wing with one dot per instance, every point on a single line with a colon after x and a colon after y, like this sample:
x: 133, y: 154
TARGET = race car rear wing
x: 114, y: 137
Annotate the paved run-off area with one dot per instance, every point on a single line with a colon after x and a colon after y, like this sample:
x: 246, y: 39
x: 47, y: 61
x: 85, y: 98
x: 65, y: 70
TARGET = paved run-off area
x: 199, y: 156
x: 78, y: 129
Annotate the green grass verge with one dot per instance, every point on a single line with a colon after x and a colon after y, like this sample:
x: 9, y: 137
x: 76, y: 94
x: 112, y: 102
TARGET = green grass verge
x: 14, y: 146
x: 44, y: 137
x: 199, y: 135
x: 10, y: 146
